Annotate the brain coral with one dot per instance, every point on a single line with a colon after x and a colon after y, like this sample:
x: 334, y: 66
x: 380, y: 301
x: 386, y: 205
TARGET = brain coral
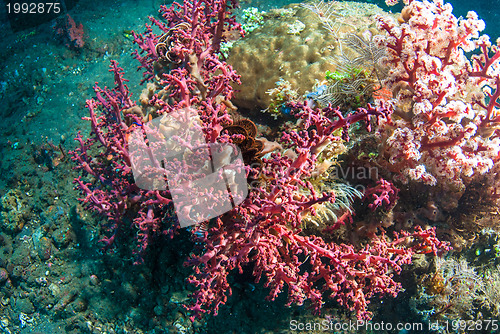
x: 284, y: 48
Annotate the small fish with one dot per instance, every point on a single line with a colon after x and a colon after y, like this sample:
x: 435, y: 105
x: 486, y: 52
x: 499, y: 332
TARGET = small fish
x: 128, y: 34
x: 286, y: 110
x: 319, y: 91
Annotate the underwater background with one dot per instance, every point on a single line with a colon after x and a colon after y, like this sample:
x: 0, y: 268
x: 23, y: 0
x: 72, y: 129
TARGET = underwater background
x: 55, y: 274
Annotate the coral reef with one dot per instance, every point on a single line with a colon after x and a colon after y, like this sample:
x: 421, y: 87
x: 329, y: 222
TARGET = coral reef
x: 185, y: 75
x: 333, y: 221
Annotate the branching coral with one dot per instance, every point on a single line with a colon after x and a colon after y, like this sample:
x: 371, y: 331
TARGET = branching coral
x: 262, y: 233
x: 446, y: 105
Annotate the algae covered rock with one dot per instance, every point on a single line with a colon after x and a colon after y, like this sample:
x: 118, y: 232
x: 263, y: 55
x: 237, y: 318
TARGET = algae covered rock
x: 14, y: 211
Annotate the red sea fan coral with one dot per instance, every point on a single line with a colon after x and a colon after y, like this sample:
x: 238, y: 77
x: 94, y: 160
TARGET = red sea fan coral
x: 183, y: 71
x: 70, y: 33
